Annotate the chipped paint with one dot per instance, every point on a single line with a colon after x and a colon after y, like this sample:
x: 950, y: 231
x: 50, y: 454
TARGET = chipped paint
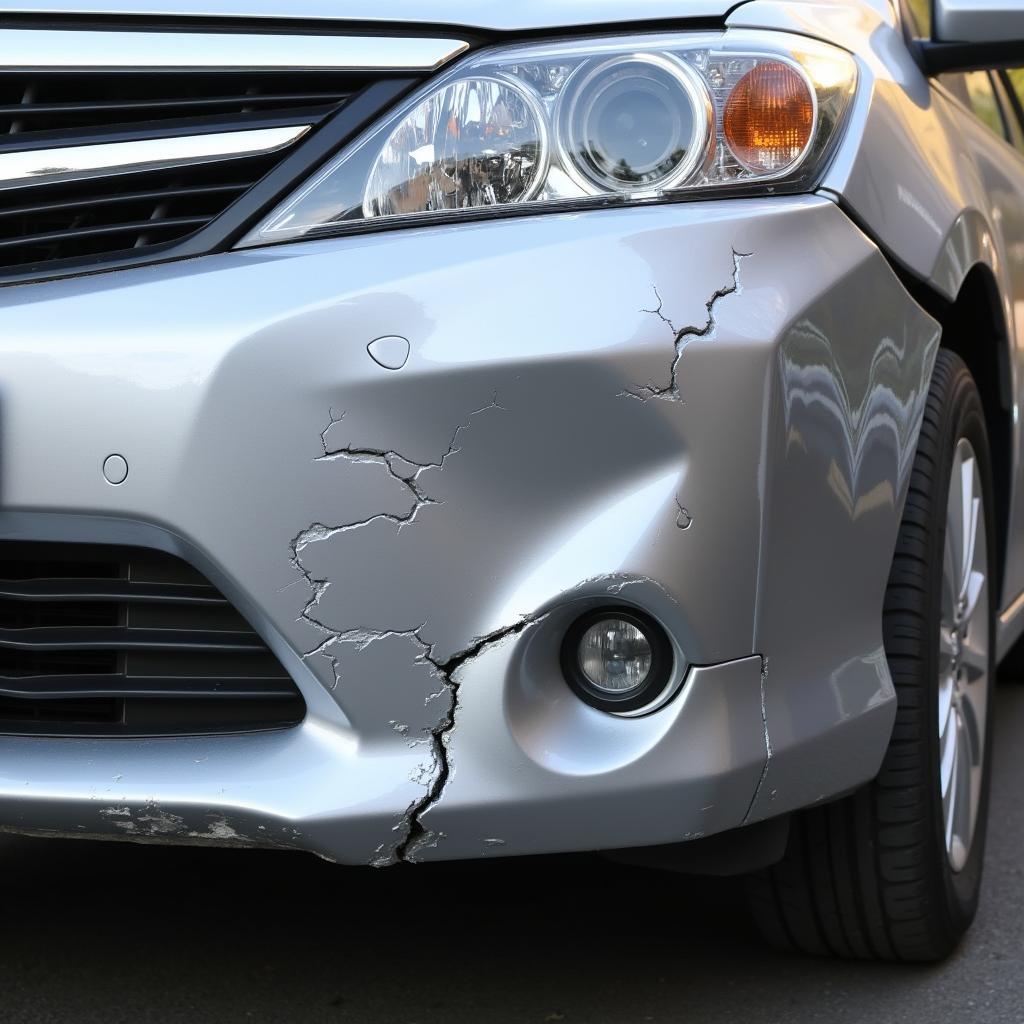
x: 617, y: 582
x: 218, y: 827
x: 150, y: 821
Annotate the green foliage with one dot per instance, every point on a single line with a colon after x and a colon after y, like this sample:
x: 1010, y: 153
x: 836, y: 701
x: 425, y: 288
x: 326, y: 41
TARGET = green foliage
x: 922, y: 11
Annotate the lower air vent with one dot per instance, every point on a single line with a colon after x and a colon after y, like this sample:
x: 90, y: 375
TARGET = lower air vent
x: 112, y: 641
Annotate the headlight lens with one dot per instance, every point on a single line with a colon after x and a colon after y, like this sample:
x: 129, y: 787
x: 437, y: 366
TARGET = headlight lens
x: 634, y: 122
x: 476, y: 142
x: 619, y: 120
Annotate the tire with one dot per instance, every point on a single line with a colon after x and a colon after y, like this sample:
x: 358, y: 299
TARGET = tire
x: 884, y: 873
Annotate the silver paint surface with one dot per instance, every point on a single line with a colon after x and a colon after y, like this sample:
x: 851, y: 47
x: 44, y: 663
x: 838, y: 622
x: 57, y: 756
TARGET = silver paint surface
x: 413, y: 544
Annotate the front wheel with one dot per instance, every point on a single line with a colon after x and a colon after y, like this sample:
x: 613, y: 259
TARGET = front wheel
x: 893, y: 872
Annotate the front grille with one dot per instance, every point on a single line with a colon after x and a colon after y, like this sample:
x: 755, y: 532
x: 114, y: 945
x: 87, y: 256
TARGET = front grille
x: 53, y: 102
x: 112, y: 641
x: 132, y: 212
x: 48, y: 223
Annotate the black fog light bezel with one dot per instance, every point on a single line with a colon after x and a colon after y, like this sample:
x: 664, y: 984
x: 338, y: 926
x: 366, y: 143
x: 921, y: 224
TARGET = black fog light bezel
x: 658, y: 678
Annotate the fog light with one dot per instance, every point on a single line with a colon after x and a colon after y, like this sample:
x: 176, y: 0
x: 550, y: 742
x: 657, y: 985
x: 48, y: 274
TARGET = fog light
x: 615, y: 656
x: 617, y: 659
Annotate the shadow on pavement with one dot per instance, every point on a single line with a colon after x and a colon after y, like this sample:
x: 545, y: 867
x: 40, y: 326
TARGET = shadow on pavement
x: 110, y: 932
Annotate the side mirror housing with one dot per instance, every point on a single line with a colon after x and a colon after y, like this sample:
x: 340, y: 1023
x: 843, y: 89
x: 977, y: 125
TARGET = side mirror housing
x: 974, y: 34
x: 978, y: 21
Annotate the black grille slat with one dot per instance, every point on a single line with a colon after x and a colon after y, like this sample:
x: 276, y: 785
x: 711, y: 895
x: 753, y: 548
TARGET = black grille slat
x: 110, y: 641
x: 107, y: 590
x: 193, y: 687
x: 144, y: 211
x: 45, y: 101
x: 85, y: 219
x: 186, y: 192
x: 64, y: 638
x: 175, y: 225
x: 26, y: 112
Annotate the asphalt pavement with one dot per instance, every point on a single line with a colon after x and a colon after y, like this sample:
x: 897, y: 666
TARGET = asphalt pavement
x: 110, y: 932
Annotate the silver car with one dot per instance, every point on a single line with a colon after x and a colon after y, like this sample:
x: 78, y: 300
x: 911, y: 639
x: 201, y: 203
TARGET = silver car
x: 443, y: 430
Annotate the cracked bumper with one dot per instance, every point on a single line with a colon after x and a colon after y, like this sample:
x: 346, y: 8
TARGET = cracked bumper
x: 553, y: 430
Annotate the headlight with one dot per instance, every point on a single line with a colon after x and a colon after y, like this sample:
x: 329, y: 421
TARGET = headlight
x: 534, y: 127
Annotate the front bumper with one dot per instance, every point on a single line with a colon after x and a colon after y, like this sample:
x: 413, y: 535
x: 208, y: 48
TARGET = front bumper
x: 412, y: 542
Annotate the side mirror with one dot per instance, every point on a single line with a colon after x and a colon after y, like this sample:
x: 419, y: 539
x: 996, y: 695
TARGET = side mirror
x: 973, y: 34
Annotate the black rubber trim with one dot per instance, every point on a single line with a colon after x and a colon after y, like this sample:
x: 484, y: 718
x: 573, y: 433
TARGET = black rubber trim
x: 127, y: 638
x: 662, y: 661
x: 936, y: 58
x: 67, y: 687
x: 108, y: 590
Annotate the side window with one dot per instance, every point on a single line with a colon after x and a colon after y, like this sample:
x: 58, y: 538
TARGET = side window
x: 1013, y: 82
x: 983, y: 100
x: 921, y: 12
x: 1010, y: 100
x: 957, y: 85
x: 1016, y: 79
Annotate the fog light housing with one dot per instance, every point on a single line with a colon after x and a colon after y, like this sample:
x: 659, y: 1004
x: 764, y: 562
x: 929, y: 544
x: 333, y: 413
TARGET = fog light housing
x: 617, y: 659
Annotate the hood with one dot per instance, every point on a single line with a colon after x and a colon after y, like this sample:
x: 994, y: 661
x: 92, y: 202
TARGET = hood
x: 484, y: 15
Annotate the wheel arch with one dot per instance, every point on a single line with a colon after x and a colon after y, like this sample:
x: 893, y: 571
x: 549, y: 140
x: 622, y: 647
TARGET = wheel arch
x: 976, y: 326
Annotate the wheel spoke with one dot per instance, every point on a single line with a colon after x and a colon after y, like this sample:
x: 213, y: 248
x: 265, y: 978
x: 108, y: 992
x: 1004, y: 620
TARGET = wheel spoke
x: 949, y: 793
x: 946, y: 642
x: 973, y: 658
x: 970, y: 737
x: 954, y: 558
x: 961, y: 811
x: 946, y: 687
x: 968, y: 523
x: 964, y: 669
x: 947, y: 753
x: 975, y: 585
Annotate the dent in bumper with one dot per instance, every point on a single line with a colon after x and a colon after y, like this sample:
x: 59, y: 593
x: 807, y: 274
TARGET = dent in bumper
x: 410, y: 538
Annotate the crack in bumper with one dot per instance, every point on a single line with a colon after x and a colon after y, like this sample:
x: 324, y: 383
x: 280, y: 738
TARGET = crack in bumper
x: 449, y: 542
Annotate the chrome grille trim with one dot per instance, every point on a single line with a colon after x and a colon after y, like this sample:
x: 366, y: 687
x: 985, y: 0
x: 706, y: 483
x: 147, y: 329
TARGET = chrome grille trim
x: 89, y: 49
x: 77, y: 163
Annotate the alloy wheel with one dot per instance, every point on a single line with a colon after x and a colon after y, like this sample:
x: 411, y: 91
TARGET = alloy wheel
x: 963, y: 655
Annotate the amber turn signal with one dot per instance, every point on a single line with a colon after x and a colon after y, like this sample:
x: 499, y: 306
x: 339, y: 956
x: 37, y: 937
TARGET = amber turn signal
x: 769, y: 117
